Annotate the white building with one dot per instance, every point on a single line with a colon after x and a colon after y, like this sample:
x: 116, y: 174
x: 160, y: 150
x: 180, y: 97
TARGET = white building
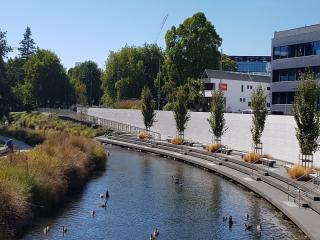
x: 237, y: 88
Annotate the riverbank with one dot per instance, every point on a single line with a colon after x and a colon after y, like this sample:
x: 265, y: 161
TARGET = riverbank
x: 264, y: 181
x: 37, y: 182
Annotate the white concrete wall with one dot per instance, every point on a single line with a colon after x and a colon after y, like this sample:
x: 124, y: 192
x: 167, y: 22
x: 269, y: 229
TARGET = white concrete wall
x: 234, y: 93
x: 278, y: 137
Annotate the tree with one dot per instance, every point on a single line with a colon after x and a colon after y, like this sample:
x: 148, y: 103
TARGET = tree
x: 5, y: 92
x: 80, y: 92
x: 46, y: 82
x: 27, y: 45
x: 228, y: 64
x: 260, y: 112
x: 306, y: 115
x: 147, y: 109
x: 180, y: 112
x: 216, y: 121
x: 191, y: 48
x: 129, y: 70
x: 90, y: 75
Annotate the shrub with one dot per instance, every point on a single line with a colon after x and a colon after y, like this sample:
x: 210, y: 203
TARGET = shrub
x: 177, y: 141
x: 299, y: 172
x: 252, y: 157
x: 267, y: 155
x: 42, y: 177
x: 213, y: 147
x: 142, y: 135
x: 127, y: 104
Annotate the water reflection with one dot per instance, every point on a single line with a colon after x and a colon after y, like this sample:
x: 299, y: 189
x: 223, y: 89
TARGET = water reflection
x: 143, y: 197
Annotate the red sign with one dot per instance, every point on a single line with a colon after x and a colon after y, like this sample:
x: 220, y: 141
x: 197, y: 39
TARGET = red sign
x: 223, y: 86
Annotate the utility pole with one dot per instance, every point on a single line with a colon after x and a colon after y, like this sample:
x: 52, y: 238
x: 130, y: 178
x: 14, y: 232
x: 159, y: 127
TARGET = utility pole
x: 159, y: 70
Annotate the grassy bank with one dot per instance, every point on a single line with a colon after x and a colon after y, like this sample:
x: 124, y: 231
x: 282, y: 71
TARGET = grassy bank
x: 36, y: 182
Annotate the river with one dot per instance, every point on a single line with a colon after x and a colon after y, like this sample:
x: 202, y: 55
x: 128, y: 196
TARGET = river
x: 143, y: 197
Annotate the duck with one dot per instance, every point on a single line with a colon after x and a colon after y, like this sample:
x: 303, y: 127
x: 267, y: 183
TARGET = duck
x: 104, y: 205
x: 247, y: 216
x: 107, y: 195
x: 259, y: 227
x: 156, y: 232
x: 248, y: 227
x: 225, y: 218
x: 93, y: 213
x: 64, y: 230
x: 101, y: 195
x: 46, y: 230
x: 230, y: 221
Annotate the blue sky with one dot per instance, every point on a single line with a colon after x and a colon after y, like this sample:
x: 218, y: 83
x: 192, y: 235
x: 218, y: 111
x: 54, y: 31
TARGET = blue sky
x: 79, y: 30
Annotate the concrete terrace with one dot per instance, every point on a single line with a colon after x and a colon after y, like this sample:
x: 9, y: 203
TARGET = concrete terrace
x: 270, y: 183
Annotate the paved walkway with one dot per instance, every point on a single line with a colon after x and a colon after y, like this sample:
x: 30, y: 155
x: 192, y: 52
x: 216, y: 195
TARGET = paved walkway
x: 18, y: 145
x: 305, y: 218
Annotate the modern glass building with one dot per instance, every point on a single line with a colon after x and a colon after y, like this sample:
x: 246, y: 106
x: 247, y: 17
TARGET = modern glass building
x: 253, y: 64
x: 294, y: 52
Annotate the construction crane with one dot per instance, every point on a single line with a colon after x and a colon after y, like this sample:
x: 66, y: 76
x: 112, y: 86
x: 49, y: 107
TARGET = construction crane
x: 155, y: 42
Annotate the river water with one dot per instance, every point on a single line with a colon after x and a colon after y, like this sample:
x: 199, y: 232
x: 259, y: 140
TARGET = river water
x: 143, y: 197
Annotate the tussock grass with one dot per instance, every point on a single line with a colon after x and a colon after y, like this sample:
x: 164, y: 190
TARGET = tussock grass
x: 267, y: 155
x: 36, y: 122
x: 142, y: 135
x: 177, y: 141
x: 213, y: 147
x: 299, y: 172
x: 252, y: 157
x: 127, y: 104
x: 36, y: 182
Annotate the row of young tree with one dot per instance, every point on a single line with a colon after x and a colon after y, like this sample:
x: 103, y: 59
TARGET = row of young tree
x: 305, y: 112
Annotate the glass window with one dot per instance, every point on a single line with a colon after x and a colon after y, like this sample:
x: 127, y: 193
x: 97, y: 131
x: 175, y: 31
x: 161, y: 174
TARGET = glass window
x: 276, y: 53
x: 247, y: 86
x: 292, y: 51
x: 241, y: 88
x: 292, y: 75
x: 308, y: 49
x: 290, y: 97
x: 300, y: 50
x: 250, y: 86
x: 268, y: 104
x: 284, y: 52
x: 275, y: 98
x: 316, y: 48
x: 283, y: 75
x: 275, y: 76
x: 240, y: 99
x: 283, y: 97
x: 268, y: 88
x: 209, y: 86
x: 249, y: 104
x: 244, y: 100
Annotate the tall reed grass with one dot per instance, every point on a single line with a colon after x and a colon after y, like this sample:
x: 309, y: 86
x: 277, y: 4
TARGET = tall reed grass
x: 36, y: 182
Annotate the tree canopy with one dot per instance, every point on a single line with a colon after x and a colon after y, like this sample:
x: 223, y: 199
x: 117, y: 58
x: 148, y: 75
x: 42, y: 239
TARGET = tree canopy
x: 260, y: 112
x: 191, y: 48
x: 180, y: 112
x: 88, y: 74
x: 217, y: 121
x: 228, y: 64
x: 147, y: 108
x: 46, y: 82
x: 129, y: 70
x: 306, y: 114
x: 27, y: 45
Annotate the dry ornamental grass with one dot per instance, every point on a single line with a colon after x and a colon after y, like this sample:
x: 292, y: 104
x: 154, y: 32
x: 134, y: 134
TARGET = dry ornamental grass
x: 299, y: 172
x: 177, y: 141
x: 213, y: 147
x: 252, y: 157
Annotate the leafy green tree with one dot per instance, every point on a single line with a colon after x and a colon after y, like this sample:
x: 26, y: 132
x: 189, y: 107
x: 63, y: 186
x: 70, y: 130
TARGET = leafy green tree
x: 306, y: 115
x: 180, y: 112
x: 90, y: 75
x: 228, y: 64
x: 5, y: 91
x: 216, y: 121
x: 260, y: 112
x: 27, y: 45
x: 191, y: 48
x: 46, y: 82
x: 129, y: 70
x: 80, y: 92
x: 148, y: 108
